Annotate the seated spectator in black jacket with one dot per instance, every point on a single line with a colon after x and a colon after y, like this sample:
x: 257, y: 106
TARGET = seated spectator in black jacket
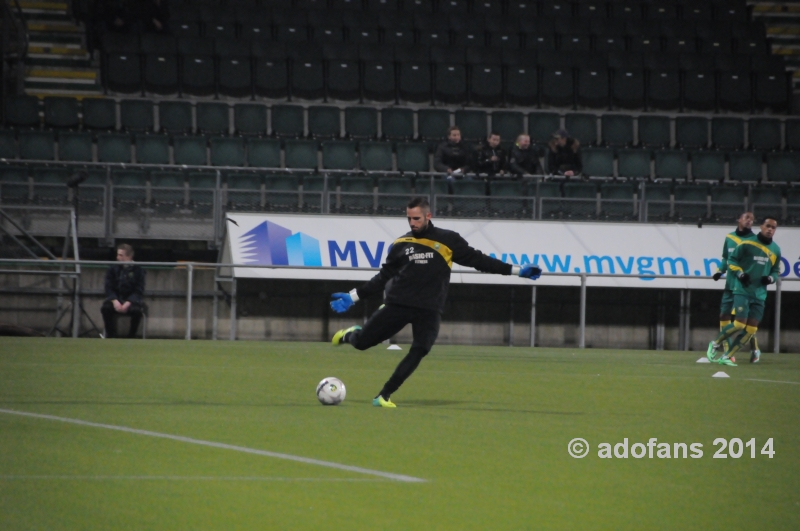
x: 124, y: 285
x: 563, y: 155
x: 524, y: 158
x: 452, y: 156
x: 491, y: 158
x: 155, y: 16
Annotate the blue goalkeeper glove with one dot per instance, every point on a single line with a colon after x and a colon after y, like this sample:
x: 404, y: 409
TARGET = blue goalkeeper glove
x: 530, y: 271
x: 341, y: 302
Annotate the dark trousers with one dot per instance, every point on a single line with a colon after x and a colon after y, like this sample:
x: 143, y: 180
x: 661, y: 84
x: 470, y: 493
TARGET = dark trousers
x: 387, y: 322
x: 110, y: 318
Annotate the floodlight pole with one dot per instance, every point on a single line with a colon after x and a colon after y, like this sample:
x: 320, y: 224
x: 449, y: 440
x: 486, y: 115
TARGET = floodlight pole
x: 582, y: 340
x: 189, y: 275
x: 776, y: 342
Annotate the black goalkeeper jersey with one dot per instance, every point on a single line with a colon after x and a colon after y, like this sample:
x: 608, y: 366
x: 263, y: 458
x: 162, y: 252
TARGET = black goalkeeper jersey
x: 419, y: 267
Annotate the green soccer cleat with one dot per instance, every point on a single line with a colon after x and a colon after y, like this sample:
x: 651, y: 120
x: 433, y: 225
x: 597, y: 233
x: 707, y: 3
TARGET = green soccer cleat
x: 755, y: 356
x: 712, y: 351
x: 338, y: 337
x: 724, y: 360
x: 378, y: 401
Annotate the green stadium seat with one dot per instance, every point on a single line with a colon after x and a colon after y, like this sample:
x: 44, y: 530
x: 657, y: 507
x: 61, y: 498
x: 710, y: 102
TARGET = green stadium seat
x: 508, y: 200
x: 764, y: 134
x: 36, y: 145
x: 129, y: 188
x: 375, y: 156
x: 8, y: 144
x: 585, y: 205
x: 432, y: 124
x: 766, y: 201
x: 282, y: 193
x: 598, y: 162
x: 152, y: 149
x: 691, y: 132
x: 212, y: 118
x: 708, y: 165
x: 728, y: 202
x: 175, y: 117
x: 301, y: 154
x: 62, y: 113
x: 99, y: 113
x: 15, y: 187
x: 22, y: 111
x: 633, y: 163
x: 745, y: 166
x: 324, y: 122
x: 783, y: 167
x: 75, y: 146
x: 397, y: 123
x: 264, y: 152
x: 546, y: 192
x: 227, y: 151
x: 50, y: 185
x: 658, y: 201
x: 793, y: 134
x: 202, y: 190
x: 509, y: 125
x: 793, y: 206
x: 339, y: 155
x: 287, y: 121
x: 617, y: 130
x: 244, y: 191
x: 361, y: 123
x: 190, y: 150
x: 468, y: 199
x: 412, y: 157
x: 618, y: 202
x: 168, y: 191
x: 541, y: 126
x: 473, y: 125
x: 727, y: 133
x: 356, y: 195
x: 136, y: 116
x: 250, y: 119
x: 691, y: 202
x: 672, y: 164
x: 654, y: 131
x: 583, y: 127
x: 394, y: 194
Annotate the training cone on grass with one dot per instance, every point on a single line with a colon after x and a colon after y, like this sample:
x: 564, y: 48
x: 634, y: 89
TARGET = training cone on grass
x: 720, y: 374
x: 394, y: 347
x: 703, y: 360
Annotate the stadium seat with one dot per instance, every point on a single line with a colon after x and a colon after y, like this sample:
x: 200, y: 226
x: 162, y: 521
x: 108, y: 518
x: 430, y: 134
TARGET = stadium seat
x: 557, y: 81
x: 728, y: 202
x: 412, y: 157
x: 793, y: 206
x: 8, y: 144
x: 202, y: 189
x: 633, y: 163
x: 227, y: 151
x: 691, y: 202
x: 375, y: 156
x: 691, y: 132
x: 584, y: 204
x: 597, y: 162
x: 472, y: 125
x: 783, y: 167
x: 175, y: 116
x: 745, y: 166
x: 212, y: 118
x: 22, y: 111
x: 324, y: 122
x: 379, y: 82
x: 735, y: 92
x: 582, y: 127
x: 190, y: 150
x: 393, y: 194
x: 766, y: 200
x: 99, y: 114
x: 764, y: 134
x: 49, y: 185
x: 771, y: 90
x: 617, y: 201
x: 75, y: 146
x: 727, y: 133
x: 432, y: 124
x: 152, y: 149
x: 414, y: 81
x: 123, y: 72
x: 307, y: 75
x: 617, y: 130
x: 654, y: 131
x: 361, y: 123
x: 486, y: 84
x: 61, y: 112
x: 546, y: 206
x: 234, y: 74
x: 522, y: 84
x: 708, y: 166
x: 356, y: 195
x: 270, y: 70
x: 301, y: 154
x: 671, y: 164
x: 792, y: 134
x: 264, y: 152
x: 167, y: 191
x: 15, y: 187
x: 136, y: 116
x: 36, y: 145
x: 160, y: 53
x: 287, y: 121
x: 469, y: 198
x: 508, y: 124
x: 113, y: 147
x: 657, y: 201
x: 282, y: 193
x: 663, y: 89
x: 250, y: 119
x: 338, y: 155
x: 541, y: 126
x: 197, y: 72
x: 129, y: 189
x: 397, y: 123
x: 508, y: 200
x: 593, y: 79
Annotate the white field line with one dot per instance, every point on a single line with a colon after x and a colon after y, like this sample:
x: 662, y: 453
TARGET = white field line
x: 771, y: 381
x: 22, y: 477
x: 212, y: 444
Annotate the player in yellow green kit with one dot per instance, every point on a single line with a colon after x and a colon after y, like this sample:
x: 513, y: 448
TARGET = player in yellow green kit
x: 743, y: 232
x: 756, y: 264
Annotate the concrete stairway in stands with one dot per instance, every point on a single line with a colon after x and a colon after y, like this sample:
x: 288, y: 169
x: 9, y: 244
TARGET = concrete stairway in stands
x: 782, y: 20
x: 58, y: 62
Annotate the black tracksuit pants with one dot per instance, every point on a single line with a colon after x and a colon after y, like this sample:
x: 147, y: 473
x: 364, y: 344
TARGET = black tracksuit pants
x: 110, y: 318
x: 387, y: 322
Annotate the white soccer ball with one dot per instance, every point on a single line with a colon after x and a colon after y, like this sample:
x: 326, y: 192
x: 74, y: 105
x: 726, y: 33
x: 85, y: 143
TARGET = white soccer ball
x: 331, y: 391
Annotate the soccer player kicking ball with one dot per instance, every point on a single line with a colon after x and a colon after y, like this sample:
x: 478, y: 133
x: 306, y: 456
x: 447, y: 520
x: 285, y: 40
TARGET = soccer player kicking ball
x: 742, y: 233
x: 756, y: 264
x: 418, y: 266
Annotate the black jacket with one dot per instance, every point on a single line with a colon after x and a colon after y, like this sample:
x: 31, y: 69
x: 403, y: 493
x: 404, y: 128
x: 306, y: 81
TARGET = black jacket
x: 419, y: 267
x: 525, y: 161
x: 567, y: 158
x: 125, y: 283
x: 485, y: 164
x: 451, y: 156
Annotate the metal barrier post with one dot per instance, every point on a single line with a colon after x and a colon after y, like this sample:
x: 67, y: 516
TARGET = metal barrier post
x: 582, y: 340
x: 533, y: 316
x: 233, y: 309
x: 190, y: 275
x: 777, y: 339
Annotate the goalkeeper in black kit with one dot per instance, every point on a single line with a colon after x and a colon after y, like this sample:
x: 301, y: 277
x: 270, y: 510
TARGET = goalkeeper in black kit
x: 418, y: 266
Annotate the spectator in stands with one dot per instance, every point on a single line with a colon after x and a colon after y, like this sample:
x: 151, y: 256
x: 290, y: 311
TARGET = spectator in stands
x: 524, y: 158
x: 155, y: 16
x: 491, y: 158
x: 563, y: 154
x: 124, y: 286
x: 452, y: 156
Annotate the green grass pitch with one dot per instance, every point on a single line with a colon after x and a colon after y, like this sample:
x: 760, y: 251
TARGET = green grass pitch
x: 487, y: 428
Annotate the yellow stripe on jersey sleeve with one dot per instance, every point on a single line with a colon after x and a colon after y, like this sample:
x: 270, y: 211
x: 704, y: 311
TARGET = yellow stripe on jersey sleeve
x: 763, y: 248
x: 734, y: 238
x: 440, y: 248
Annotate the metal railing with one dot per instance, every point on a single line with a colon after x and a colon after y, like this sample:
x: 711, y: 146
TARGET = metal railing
x: 223, y: 273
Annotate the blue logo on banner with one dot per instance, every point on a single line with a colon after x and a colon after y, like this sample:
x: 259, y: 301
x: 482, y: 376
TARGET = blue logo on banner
x: 271, y: 244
